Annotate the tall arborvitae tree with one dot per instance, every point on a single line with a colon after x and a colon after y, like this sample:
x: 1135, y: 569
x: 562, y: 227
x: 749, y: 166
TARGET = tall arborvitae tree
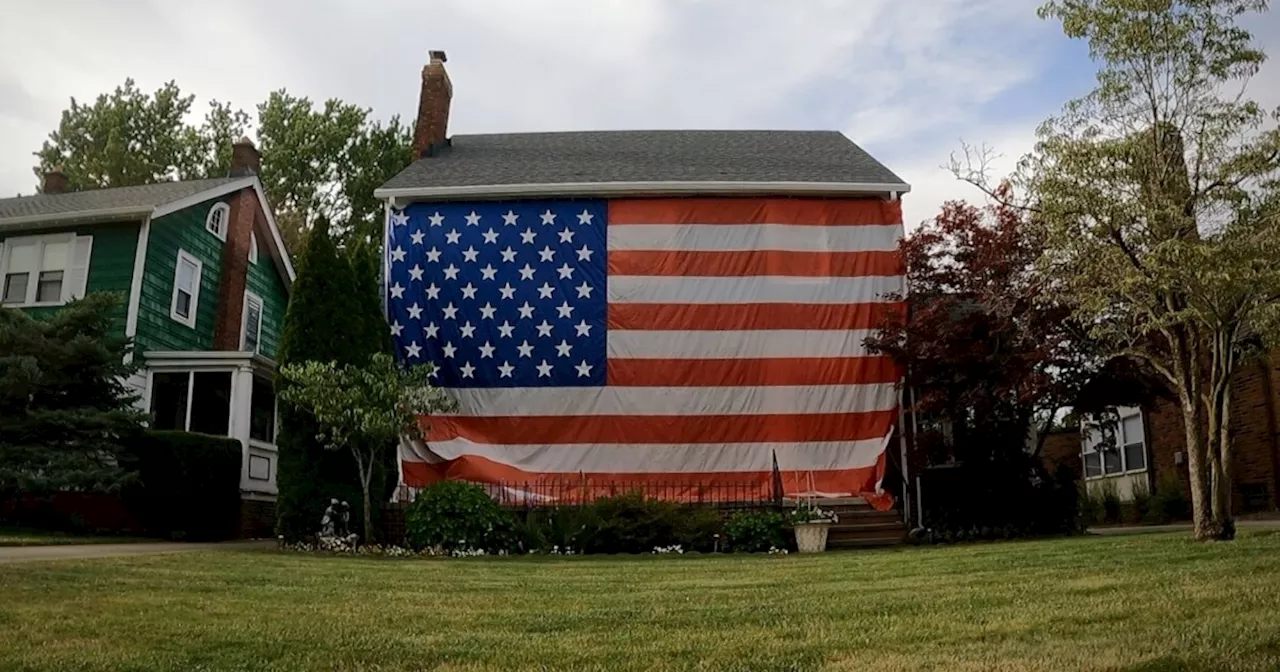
x: 320, y: 325
x: 65, y: 412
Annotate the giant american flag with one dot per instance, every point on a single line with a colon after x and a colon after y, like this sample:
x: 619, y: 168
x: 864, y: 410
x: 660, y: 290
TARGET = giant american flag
x: 684, y: 340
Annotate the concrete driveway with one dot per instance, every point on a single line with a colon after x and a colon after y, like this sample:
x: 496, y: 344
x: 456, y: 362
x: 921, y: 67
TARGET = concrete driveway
x: 88, y: 551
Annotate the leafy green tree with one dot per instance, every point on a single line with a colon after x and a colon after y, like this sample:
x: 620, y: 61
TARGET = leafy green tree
x: 129, y: 137
x: 360, y: 408
x: 65, y: 412
x: 1156, y: 193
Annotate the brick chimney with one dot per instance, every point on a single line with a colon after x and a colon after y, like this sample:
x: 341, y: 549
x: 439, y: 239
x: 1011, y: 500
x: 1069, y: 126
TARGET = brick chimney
x: 56, y: 182
x: 245, y: 159
x: 433, y: 106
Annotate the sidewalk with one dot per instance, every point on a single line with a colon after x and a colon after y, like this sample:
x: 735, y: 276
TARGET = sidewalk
x: 1182, y: 527
x: 88, y: 551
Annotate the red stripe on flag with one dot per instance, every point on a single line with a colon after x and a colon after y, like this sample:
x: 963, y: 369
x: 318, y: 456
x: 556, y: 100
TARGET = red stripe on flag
x: 802, y: 211
x: 683, y: 429
x: 749, y: 316
x: 747, y: 372
x: 755, y: 262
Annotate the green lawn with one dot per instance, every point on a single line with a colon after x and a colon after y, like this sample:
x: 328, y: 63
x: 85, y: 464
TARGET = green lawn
x: 1148, y: 602
x: 19, y: 536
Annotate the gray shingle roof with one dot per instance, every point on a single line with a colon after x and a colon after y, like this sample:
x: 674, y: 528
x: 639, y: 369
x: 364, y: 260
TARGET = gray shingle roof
x: 645, y: 156
x: 69, y: 204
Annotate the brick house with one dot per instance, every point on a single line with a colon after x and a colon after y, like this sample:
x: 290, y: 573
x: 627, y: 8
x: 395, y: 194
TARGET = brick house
x: 1151, y: 449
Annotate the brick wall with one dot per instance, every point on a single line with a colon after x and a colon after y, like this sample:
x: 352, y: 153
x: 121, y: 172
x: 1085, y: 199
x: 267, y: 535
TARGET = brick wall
x: 257, y: 519
x: 1253, y: 411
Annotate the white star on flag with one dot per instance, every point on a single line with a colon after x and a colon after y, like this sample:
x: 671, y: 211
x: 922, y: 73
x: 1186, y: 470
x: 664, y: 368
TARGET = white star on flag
x: 468, y: 292
x: 449, y: 349
x: 415, y: 312
x: 566, y: 271
x: 564, y: 348
x: 566, y: 236
x: 510, y: 218
x: 433, y: 292
x: 451, y: 272
x: 545, y: 291
x: 584, y: 291
x: 468, y: 330
x: 488, y: 272
x: 584, y: 369
x: 470, y: 254
x: 417, y: 237
x: 413, y: 349
x: 473, y: 219
x: 397, y: 291
x: 467, y: 370
x: 507, y: 291
x: 585, y: 217
x: 431, y: 329
x: 486, y: 350
x: 583, y: 328
x: 526, y: 311
x: 547, y: 254
x: 509, y: 255
x: 525, y: 349
x: 398, y: 218
x: 491, y: 236
x: 505, y: 329
x: 450, y: 313
x: 415, y: 273
x: 528, y: 237
x: 436, y: 219
x: 584, y: 254
x: 433, y: 254
x: 526, y: 273
x: 544, y: 329
x: 505, y: 370
x: 396, y: 328
x: 397, y: 254
x: 564, y: 309
x: 486, y: 312
x: 544, y: 369
x: 548, y: 217
x: 452, y: 237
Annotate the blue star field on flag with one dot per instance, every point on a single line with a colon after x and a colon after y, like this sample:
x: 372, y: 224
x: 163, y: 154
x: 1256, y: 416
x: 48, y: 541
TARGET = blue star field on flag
x: 500, y: 294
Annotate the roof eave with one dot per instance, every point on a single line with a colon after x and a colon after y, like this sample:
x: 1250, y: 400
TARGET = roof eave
x: 55, y: 219
x: 619, y: 189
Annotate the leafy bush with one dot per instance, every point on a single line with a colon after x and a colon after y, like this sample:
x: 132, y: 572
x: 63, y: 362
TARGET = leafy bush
x: 187, y: 486
x: 1140, y: 507
x: 1090, y: 508
x: 1110, y: 503
x: 755, y: 531
x: 999, y: 500
x: 1168, y: 503
x: 621, y: 524
x: 453, y: 515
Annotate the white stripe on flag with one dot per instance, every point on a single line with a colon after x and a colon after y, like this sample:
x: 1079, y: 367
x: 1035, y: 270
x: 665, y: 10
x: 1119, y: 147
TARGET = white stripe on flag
x: 759, y: 289
x: 667, y: 458
x: 628, y: 344
x: 580, y: 401
x: 738, y: 237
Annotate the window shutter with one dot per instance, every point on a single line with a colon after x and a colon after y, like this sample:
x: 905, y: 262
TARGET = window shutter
x: 252, y: 323
x: 77, y: 277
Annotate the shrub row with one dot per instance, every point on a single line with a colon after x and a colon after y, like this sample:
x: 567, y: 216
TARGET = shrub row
x: 186, y: 485
x: 456, y: 516
x: 1167, y: 503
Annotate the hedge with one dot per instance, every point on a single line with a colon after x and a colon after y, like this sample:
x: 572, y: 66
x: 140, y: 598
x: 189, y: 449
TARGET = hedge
x: 188, y: 485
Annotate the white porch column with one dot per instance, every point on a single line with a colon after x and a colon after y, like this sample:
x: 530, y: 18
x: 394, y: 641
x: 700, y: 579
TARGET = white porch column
x: 241, y: 405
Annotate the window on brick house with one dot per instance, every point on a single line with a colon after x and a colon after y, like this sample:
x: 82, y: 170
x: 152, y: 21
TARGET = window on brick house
x: 1126, y: 452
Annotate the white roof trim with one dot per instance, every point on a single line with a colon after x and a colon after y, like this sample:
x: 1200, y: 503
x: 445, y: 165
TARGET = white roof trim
x: 55, y: 218
x: 200, y: 197
x: 280, y: 253
x: 641, y: 188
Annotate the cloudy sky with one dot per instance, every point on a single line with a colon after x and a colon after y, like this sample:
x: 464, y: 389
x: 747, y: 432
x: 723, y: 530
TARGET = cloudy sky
x: 906, y: 79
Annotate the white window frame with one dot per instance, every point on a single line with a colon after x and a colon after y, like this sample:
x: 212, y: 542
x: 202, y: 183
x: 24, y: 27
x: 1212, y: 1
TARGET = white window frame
x: 33, y: 283
x: 225, y: 220
x: 190, y: 320
x: 1089, y: 448
x: 253, y: 248
x: 244, y: 319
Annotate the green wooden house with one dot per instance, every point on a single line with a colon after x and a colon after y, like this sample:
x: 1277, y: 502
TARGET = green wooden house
x: 204, y: 280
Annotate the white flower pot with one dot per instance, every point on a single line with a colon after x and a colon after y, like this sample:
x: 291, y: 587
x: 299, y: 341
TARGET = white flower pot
x: 811, y: 537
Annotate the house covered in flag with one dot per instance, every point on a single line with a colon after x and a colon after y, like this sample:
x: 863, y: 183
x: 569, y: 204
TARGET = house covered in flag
x: 684, y: 308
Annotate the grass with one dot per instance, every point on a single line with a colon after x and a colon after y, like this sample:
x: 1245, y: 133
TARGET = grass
x: 1149, y: 602
x: 19, y: 536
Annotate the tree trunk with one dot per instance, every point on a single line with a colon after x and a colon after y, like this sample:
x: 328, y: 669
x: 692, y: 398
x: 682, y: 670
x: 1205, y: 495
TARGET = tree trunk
x: 366, y: 474
x: 1201, y: 500
x: 1224, y: 527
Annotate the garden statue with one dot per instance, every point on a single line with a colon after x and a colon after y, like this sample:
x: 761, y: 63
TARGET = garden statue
x: 328, y: 524
x: 335, y: 532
